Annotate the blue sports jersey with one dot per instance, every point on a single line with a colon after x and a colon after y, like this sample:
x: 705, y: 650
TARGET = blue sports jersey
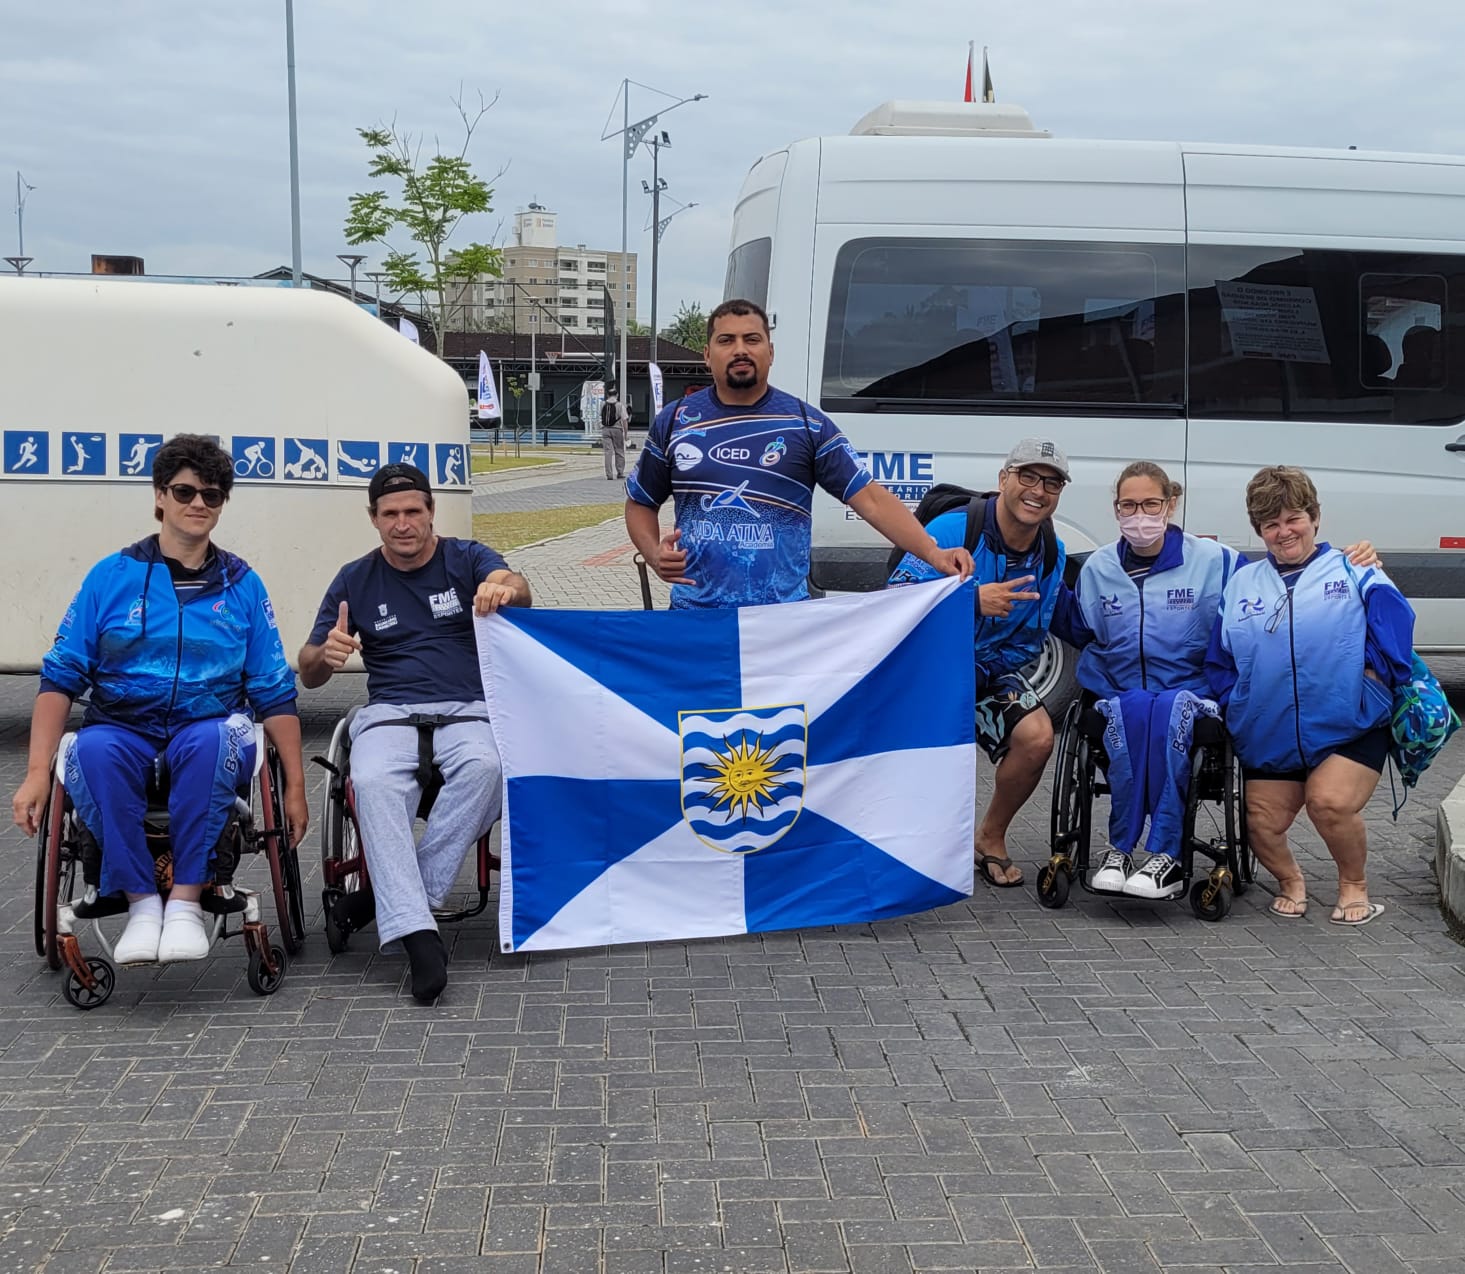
x: 742, y: 480
x: 416, y: 627
x: 1003, y: 643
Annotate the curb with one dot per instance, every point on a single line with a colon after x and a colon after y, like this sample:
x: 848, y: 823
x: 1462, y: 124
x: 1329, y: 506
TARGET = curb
x: 1449, y: 858
x: 579, y: 530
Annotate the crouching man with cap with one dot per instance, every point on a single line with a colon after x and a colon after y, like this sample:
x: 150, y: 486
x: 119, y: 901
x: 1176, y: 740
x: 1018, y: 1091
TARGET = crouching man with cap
x: 1018, y: 566
x: 408, y: 608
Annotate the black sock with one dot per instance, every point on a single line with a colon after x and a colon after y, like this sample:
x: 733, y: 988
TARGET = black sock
x: 428, y: 960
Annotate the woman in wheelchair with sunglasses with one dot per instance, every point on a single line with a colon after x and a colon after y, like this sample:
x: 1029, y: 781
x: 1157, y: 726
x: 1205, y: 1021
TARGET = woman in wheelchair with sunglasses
x: 173, y: 641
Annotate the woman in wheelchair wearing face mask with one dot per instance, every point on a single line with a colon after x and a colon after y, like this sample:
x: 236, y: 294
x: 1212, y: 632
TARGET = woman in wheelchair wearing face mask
x: 1141, y: 613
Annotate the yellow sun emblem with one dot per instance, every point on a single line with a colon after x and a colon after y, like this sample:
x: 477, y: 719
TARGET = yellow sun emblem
x: 745, y: 777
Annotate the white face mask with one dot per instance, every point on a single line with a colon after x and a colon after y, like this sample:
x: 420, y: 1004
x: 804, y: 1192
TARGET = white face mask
x: 1142, y: 530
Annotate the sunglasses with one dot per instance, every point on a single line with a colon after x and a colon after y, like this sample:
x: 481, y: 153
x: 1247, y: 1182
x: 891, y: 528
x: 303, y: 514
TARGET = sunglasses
x: 1031, y: 478
x: 185, y: 493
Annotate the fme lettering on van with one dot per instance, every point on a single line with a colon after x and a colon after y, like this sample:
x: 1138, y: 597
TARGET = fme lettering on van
x: 906, y: 474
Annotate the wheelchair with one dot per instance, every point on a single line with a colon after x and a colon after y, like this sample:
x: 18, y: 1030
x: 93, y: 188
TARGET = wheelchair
x: 343, y: 864
x: 1214, y: 851
x: 68, y: 876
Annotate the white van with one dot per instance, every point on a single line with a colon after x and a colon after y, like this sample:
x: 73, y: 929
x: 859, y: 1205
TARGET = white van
x: 947, y: 280
x: 309, y: 393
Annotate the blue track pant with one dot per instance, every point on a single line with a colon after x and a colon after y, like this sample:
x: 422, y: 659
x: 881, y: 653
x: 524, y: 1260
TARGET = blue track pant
x: 1147, y: 738
x: 107, y: 774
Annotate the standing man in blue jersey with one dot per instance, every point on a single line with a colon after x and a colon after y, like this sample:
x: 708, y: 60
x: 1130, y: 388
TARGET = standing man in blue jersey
x: 740, y: 461
x: 408, y: 608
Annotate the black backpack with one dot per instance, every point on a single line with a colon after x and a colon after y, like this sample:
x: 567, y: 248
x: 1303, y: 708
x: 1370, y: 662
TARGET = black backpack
x: 943, y: 497
x: 609, y: 416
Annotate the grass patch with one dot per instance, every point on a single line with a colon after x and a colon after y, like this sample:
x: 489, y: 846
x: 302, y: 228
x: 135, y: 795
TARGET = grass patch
x: 506, y: 531
x: 504, y: 459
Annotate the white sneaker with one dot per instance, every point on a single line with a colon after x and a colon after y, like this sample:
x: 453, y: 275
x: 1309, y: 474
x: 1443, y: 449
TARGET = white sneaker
x: 185, y: 934
x: 139, y: 941
x: 1161, y: 877
x: 1113, y: 872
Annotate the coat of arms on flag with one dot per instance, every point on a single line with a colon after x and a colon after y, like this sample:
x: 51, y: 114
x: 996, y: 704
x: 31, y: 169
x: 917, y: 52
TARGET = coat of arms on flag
x: 684, y: 774
x: 742, y: 774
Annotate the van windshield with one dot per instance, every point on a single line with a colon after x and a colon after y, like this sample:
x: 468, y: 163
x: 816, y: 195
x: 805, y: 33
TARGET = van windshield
x: 963, y: 321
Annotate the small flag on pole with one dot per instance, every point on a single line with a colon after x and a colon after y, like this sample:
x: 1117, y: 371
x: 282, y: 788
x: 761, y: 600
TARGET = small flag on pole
x: 488, y: 394
x: 656, y: 388
x: 408, y: 329
x: 987, y: 94
x: 970, y: 52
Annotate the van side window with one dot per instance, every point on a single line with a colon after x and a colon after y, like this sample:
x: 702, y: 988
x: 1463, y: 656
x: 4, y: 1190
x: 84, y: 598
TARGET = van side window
x: 983, y: 325
x: 1316, y: 334
x: 747, y: 272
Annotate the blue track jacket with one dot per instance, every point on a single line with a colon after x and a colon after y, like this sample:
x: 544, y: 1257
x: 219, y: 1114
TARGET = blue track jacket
x: 1007, y: 643
x: 153, y: 661
x: 1151, y: 633
x: 1288, y: 667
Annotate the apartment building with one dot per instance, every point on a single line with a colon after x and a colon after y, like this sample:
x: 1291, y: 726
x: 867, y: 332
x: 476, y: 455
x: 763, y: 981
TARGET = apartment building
x: 565, y: 285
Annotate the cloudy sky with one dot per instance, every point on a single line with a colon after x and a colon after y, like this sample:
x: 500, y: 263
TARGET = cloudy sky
x: 158, y: 127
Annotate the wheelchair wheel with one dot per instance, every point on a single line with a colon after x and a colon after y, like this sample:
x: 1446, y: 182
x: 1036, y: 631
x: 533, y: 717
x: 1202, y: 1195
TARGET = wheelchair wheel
x: 261, y: 980
x: 1210, y: 899
x: 55, y: 872
x: 283, y: 861
x: 1054, y: 882
x: 1072, y: 793
x: 81, y: 996
x: 1241, y: 860
x: 342, y: 863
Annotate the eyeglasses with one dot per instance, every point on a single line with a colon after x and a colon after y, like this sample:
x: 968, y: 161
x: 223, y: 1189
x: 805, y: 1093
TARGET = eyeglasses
x: 1031, y: 478
x: 1128, y: 508
x: 185, y: 493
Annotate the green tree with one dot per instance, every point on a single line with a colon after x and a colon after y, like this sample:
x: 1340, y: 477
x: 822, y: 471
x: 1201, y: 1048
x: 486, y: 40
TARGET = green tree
x: 636, y: 328
x: 688, y: 327
x: 433, y: 199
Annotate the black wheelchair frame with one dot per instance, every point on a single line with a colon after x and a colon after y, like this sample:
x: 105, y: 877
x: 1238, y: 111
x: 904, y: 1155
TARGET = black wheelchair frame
x: 343, y: 862
x: 1079, y: 775
x: 67, y: 874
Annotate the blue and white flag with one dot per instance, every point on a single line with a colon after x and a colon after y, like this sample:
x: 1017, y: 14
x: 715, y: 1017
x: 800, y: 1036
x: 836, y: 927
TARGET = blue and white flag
x: 488, y: 394
x: 689, y: 774
x: 657, y: 389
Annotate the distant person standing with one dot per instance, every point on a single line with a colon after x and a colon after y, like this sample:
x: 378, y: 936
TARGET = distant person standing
x: 613, y: 435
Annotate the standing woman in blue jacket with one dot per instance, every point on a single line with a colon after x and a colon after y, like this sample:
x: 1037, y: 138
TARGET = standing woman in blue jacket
x: 174, y: 642
x: 1304, y: 657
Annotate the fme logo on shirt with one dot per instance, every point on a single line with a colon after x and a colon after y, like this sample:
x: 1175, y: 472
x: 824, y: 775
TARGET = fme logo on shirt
x: 445, y: 604
x: 1180, y: 599
x: 1334, y: 589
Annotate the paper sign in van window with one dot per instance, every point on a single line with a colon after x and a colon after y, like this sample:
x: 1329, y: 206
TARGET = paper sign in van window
x: 1271, y: 320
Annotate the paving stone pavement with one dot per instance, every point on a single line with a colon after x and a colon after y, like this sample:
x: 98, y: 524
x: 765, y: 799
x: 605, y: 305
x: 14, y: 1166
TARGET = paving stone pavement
x: 988, y: 1087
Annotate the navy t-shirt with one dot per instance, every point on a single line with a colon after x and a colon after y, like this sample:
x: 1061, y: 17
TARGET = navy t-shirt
x: 742, y: 482
x: 416, y: 627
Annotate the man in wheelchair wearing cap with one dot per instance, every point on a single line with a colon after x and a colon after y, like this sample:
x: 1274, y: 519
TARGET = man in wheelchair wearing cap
x: 408, y: 607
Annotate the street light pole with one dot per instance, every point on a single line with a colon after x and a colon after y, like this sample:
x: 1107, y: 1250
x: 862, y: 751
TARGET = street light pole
x: 631, y: 136
x: 294, y: 144
x: 18, y: 264
x: 22, y: 188
x: 351, y: 260
x: 376, y: 277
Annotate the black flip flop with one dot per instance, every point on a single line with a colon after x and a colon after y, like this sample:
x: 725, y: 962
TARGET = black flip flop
x: 1003, y: 864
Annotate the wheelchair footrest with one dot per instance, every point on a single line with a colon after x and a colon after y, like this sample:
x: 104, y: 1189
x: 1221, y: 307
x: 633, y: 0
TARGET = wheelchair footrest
x: 217, y: 903
x: 99, y: 906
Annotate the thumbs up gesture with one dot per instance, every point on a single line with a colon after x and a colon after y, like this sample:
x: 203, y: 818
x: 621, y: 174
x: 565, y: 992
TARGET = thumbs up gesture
x: 340, y: 645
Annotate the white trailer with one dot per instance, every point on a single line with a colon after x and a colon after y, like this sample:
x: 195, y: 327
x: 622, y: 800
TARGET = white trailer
x: 308, y: 392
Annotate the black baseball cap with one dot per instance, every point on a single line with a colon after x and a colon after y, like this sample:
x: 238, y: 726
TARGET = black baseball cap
x: 391, y: 478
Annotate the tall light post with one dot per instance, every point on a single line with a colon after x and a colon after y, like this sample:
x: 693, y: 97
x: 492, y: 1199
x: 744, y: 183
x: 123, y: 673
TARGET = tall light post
x: 658, y: 228
x: 631, y: 136
x: 376, y: 277
x: 18, y: 264
x: 22, y: 188
x: 351, y: 260
x: 658, y: 184
x: 294, y: 144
